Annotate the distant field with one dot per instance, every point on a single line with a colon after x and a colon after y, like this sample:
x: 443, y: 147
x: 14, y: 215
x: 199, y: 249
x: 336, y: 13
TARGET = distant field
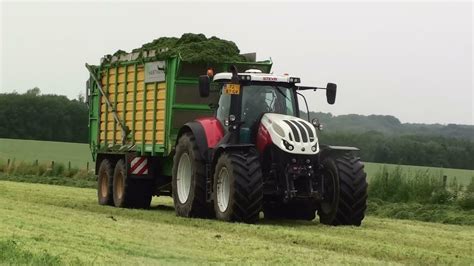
x: 463, y: 176
x: 79, y: 155
x: 45, y: 151
x: 46, y: 224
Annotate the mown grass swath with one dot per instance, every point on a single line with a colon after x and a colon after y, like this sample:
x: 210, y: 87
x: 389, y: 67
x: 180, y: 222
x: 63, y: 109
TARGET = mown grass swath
x: 66, y: 225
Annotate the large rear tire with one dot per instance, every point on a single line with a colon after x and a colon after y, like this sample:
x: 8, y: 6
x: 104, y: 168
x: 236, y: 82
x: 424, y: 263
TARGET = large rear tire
x: 345, y: 197
x: 238, y: 187
x: 105, y: 183
x: 189, y: 179
x: 130, y: 193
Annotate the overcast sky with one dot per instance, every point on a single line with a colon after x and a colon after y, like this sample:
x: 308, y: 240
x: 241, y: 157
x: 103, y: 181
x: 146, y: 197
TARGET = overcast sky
x: 413, y: 61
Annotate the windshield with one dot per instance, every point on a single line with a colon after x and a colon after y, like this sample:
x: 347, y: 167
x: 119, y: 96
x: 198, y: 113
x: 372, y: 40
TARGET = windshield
x: 259, y: 99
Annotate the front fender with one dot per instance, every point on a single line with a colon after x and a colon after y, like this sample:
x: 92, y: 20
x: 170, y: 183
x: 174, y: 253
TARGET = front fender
x: 328, y: 150
x: 221, y: 148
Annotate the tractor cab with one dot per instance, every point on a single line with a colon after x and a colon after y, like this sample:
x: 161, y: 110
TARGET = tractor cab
x: 256, y: 107
x: 253, y: 96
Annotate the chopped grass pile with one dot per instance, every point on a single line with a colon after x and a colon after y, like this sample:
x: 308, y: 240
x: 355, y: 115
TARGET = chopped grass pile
x: 192, y: 48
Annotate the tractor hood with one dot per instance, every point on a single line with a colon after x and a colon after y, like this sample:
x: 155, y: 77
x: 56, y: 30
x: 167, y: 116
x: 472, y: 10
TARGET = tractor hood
x: 291, y: 134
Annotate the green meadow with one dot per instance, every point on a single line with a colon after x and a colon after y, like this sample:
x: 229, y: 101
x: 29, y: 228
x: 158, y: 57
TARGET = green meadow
x: 47, y: 224
x: 79, y: 154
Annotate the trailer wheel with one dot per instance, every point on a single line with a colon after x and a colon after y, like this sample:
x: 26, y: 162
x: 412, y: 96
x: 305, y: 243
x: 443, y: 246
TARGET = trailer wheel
x: 238, y: 187
x: 189, y: 179
x: 105, y: 184
x: 130, y: 193
x: 345, y: 200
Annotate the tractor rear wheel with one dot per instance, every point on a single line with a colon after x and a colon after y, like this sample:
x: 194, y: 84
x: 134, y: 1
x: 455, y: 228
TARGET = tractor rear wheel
x: 238, y: 187
x: 345, y: 196
x: 130, y: 193
x: 189, y: 179
x: 105, y: 184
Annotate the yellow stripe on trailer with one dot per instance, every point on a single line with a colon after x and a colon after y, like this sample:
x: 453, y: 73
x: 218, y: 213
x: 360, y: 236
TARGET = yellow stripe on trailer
x: 133, y: 107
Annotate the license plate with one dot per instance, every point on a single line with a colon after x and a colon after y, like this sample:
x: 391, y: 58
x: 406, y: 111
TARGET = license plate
x: 232, y: 89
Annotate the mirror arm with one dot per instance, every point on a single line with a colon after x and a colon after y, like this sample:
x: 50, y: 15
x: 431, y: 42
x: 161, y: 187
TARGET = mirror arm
x: 303, y: 88
x: 306, y: 103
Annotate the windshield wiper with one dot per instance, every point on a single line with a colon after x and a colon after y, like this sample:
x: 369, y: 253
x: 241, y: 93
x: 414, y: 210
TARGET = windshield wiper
x: 284, y: 95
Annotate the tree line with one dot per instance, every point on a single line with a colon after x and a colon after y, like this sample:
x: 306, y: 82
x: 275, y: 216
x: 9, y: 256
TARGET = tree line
x: 43, y: 117
x: 389, y: 125
x: 382, y: 139
x: 423, y: 150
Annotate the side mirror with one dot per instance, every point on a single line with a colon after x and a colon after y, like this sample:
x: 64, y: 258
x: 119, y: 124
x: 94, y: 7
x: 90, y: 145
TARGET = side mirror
x: 331, y: 90
x: 204, y: 86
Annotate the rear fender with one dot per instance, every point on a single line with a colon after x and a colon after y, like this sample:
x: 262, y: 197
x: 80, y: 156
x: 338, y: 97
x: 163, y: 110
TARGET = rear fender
x: 207, y: 132
x: 199, y: 134
x: 213, y: 129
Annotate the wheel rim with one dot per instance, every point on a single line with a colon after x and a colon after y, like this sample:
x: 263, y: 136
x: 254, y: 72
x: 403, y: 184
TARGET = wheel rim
x: 327, y: 205
x: 104, y: 186
x: 183, y: 179
x: 223, y: 189
x: 119, y: 187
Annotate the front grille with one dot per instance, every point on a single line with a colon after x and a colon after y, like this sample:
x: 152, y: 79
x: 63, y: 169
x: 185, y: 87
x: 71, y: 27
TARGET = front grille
x: 301, y: 131
x: 308, y: 128
x: 304, y: 135
x: 294, y: 130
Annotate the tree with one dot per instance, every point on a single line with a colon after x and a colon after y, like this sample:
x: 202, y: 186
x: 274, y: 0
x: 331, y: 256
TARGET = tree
x: 81, y: 98
x: 35, y: 91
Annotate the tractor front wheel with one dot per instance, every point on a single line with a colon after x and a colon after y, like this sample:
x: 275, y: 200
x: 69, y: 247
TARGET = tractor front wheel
x: 344, y: 191
x: 238, y: 187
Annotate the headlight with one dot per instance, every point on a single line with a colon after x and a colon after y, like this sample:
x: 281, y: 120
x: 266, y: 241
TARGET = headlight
x: 288, y: 146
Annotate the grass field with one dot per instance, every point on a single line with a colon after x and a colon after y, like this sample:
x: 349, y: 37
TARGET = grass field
x: 45, y: 151
x: 47, y: 224
x: 463, y: 176
x: 79, y: 155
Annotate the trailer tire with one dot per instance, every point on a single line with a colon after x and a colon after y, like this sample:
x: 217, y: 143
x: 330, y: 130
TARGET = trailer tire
x: 105, y: 183
x: 238, y: 187
x: 130, y: 193
x: 189, y: 179
x: 347, y: 204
